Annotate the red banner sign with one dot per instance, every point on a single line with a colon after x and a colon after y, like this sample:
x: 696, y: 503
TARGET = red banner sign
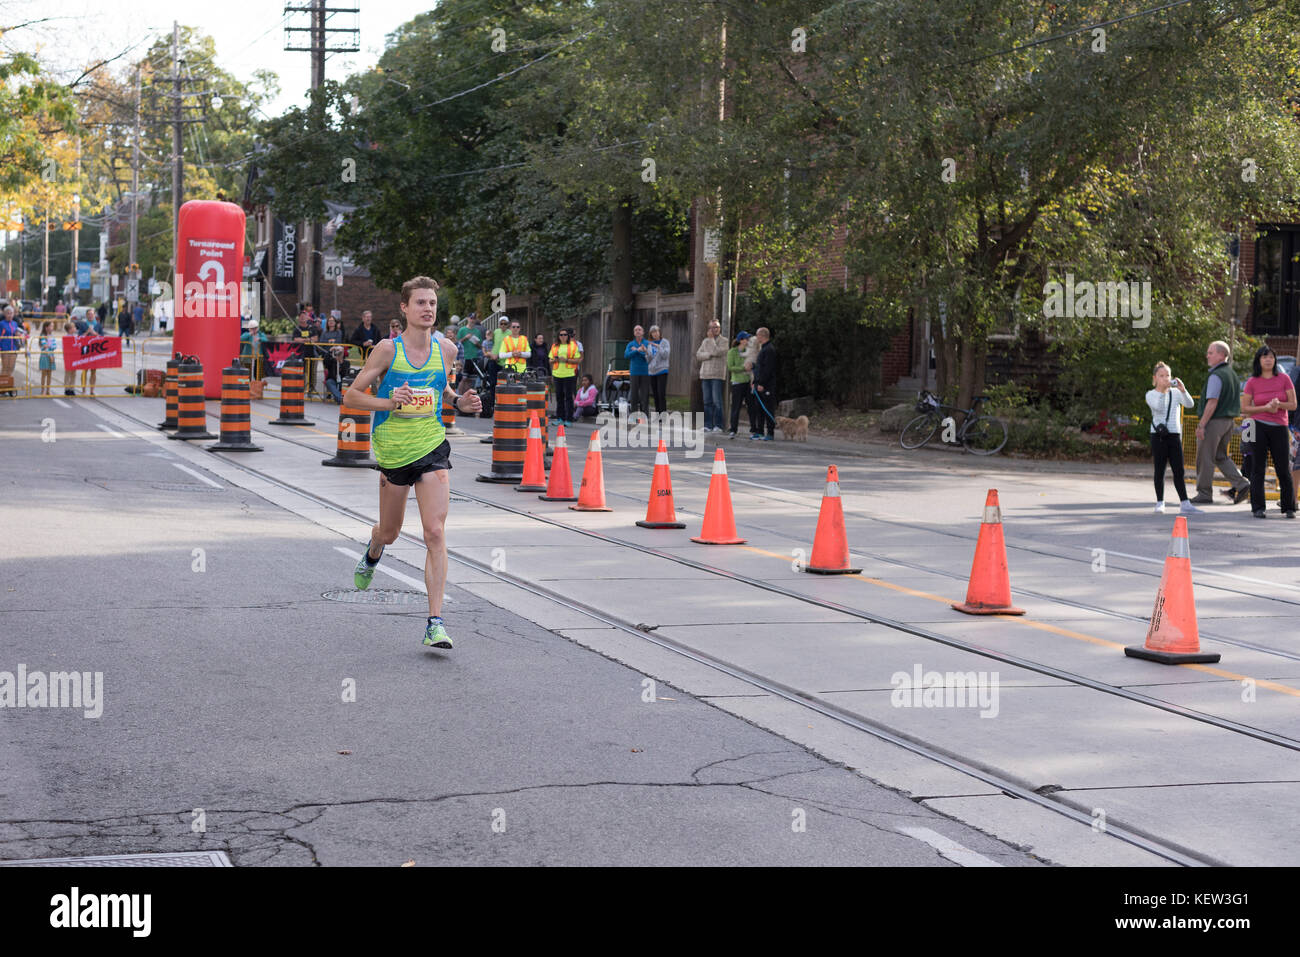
x: 92, y: 352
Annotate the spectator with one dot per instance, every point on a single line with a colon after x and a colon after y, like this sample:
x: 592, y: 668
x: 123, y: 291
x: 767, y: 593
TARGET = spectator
x: 48, y: 344
x: 741, y: 392
x: 69, y: 376
x: 637, y: 354
x: 137, y: 318
x: 367, y: 334
x: 660, y: 353
x: 585, y: 404
x: 565, y: 358
x: 1220, y: 404
x: 765, y: 384
x: 60, y: 309
x: 470, y: 338
x: 332, y: 332
x: 81, y: 323
x: 1293, y: 424
x: 1267, y: 397
x: 539, y: 361
x: 337, y: 368
x: 514, y: 350
x: 102, y: 313
x: 252, y: 349
x: 125, y: 326
x: 394, y: 328
x: 712, y: 354
x: 1167, y: 401
x: 12, y: 337
x: 96, y: 321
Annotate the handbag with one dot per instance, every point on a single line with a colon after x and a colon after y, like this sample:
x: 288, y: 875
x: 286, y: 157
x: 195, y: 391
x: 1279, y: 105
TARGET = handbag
x: 1162, y: 428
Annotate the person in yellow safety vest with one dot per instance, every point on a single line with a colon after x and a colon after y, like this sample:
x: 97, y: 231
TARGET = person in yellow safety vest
x: 514, y: 350
x: 566, y: 356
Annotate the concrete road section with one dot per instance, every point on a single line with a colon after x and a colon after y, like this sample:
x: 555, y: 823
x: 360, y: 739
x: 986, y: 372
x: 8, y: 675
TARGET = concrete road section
x: 238, y: 697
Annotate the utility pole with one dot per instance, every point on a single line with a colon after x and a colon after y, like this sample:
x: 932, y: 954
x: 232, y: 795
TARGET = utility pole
x: 178, y: 171
x: 318, y: 29
x: 45, y: 261
x: 76, y: 221
x: 135, y: 170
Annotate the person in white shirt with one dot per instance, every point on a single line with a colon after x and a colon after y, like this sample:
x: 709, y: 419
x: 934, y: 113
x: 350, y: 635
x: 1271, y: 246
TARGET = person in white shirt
x: 1167, y: 401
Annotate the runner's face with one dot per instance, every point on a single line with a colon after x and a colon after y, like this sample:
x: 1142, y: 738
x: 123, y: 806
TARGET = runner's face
x: 422, y: 309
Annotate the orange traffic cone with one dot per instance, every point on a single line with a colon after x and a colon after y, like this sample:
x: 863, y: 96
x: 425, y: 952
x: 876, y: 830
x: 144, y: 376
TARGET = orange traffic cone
x: 534, y: 479
x: 989, y: 592
x: 591, y: 494
x: 1173, y: 638
x: 560, y: 488
x: 659, y: 513
x: 719, y: 520
x: 830, y: 553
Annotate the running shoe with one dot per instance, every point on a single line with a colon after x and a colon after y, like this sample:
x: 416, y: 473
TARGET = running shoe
x: 364, y: 572
x: 1187, y: 508
x: 1160, y: 508
x: 435, y: 636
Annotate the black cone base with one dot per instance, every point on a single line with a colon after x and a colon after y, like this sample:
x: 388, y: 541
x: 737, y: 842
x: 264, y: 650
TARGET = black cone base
x: 500, y: 479
x: 234, y: 447
x: 833, y: 571
x: 337, y: 462
x: 1170, y: 657
x: 662, y: 524
x: 193, y: 435
x: 291, y: 422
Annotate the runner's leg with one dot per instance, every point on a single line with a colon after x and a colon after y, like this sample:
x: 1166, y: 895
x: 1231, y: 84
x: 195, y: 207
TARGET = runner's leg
x: 392, y: 512
x: 433, y: 496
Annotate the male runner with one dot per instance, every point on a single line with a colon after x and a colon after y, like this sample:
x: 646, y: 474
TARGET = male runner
x: 409, y: 441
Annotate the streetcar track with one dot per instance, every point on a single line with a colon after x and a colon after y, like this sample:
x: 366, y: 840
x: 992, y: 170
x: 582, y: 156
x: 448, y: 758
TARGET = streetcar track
x: 992, y: 776
x: 913, y: 566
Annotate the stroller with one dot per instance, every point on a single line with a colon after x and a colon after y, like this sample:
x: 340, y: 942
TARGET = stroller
x: 618, y: 389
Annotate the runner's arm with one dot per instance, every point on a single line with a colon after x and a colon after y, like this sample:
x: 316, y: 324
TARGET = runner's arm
x: 377, y: 363
x: 449, y: 394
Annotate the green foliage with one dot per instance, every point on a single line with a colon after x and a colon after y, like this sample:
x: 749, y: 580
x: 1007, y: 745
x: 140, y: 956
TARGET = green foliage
x: 831, y: 351
x: 1113, y: 372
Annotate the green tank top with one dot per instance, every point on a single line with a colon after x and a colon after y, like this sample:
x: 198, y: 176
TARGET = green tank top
x: 395, y: 439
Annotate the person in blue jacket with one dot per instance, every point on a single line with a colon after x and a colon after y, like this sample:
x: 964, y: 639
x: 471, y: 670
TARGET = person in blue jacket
x: 638, y: 353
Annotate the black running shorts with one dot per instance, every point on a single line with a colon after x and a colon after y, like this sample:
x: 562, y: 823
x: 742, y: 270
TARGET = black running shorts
x: 439, y: 458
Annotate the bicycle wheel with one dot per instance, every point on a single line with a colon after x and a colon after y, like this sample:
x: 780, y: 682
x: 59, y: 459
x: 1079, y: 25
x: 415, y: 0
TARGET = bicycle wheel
x: 985, y: 435
x: 920, y: 430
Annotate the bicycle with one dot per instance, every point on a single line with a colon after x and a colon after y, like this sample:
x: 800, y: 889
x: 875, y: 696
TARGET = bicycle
x: 978, y: 434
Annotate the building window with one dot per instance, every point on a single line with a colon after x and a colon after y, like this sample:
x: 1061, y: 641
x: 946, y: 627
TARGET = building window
x: 1276, y: 285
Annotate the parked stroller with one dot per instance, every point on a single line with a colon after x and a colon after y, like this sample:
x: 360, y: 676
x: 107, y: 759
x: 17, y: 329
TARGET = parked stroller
x: 617, y: 391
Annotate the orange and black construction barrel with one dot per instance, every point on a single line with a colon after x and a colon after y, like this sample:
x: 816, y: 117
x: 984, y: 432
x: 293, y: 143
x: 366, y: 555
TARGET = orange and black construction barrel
x: 354, y: 438
x: 169, y: 392
x: 503, y: 377
x: 191, y: 413
x: 293, y: 391
x: 449, y: 409
x: 236, y: 415
x: 509, y: 435
x: 537, y: 403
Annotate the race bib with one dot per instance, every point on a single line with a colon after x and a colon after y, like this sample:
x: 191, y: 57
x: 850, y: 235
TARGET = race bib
x: 421, y: 405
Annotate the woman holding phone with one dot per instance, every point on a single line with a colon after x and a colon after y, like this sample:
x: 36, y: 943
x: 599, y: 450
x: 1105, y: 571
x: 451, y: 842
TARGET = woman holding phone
x: 1167, y: 400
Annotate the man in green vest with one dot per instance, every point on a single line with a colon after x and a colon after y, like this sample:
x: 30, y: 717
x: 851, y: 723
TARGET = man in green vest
x: 1220, y: 404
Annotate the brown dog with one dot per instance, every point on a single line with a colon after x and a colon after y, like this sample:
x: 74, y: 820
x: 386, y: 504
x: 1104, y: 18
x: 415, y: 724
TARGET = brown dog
x: 796, y: 429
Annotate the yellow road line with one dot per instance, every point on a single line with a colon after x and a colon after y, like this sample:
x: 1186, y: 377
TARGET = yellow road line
x: 1043, y: 626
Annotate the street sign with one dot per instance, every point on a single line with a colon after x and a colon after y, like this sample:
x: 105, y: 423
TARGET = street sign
x: 114, y: 280
x: 333, y: 269
x: 133, y: 290
x: 83, y: 275
x: 712, y: 244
